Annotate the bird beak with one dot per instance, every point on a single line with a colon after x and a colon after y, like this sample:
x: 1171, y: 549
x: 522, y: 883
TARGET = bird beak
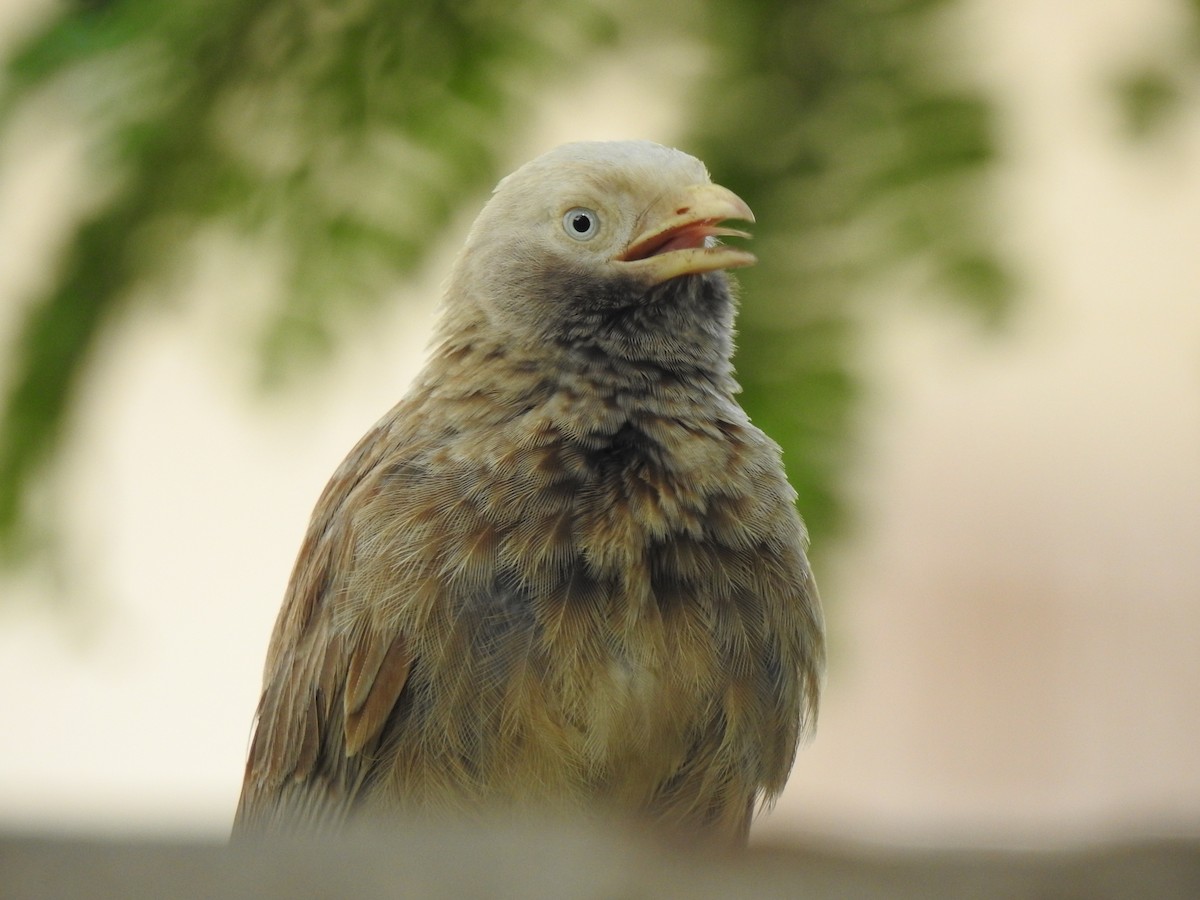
x: 677, y: 237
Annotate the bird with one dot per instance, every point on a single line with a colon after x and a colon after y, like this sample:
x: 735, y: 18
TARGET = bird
x: 565, y: 572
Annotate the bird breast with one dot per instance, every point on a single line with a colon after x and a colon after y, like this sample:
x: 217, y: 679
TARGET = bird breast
x: 591, y: 586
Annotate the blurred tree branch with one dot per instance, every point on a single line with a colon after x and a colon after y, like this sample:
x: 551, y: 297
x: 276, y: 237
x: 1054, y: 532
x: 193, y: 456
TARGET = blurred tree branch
x: 344, y: 136
x: 836, y: 129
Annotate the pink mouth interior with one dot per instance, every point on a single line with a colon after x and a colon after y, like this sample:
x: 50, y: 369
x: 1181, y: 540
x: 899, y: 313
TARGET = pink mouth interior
x: 687, y: 237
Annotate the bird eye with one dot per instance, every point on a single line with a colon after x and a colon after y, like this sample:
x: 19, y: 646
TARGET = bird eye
x: 581, y: 224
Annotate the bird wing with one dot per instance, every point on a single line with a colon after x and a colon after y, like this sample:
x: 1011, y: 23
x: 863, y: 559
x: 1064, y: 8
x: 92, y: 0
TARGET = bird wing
x: 330, y: 685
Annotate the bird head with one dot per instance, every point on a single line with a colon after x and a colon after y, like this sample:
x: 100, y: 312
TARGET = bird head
x: 592, y: 229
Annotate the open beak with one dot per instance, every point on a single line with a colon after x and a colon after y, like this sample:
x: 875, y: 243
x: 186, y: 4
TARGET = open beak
x: 678, y: 236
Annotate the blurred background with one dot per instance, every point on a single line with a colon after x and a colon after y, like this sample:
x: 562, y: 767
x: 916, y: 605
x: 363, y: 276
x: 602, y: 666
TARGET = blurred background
x: 975, y: 329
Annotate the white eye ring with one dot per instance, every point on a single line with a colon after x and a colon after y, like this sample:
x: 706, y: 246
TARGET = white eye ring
x: 581, y: 224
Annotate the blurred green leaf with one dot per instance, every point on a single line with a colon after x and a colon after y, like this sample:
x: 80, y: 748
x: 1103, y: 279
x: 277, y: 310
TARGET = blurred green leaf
x: 858, y: 159
x: 1147, y: 98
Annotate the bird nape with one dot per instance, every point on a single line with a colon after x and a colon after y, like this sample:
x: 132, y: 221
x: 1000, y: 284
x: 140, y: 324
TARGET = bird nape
x: 565, y: 572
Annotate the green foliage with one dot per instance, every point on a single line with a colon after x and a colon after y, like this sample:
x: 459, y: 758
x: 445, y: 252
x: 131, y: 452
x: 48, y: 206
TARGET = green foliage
x: 1146, y: 98
x: 857, y: 158
x: 342, y: 135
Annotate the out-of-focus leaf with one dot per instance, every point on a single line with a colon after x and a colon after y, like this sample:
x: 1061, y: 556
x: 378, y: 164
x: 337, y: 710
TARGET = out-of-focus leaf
x: 1147, y: 98
x: 858, y: 158
x: 983, y: 282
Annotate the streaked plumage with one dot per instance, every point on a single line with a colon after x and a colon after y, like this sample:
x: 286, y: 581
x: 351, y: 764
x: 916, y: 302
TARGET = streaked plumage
x: 566, y: 569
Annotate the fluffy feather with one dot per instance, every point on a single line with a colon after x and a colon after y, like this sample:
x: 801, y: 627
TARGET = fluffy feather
x: 566, y: 569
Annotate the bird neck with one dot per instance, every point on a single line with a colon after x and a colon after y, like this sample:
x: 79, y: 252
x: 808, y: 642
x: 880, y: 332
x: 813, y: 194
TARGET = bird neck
x: 585, y: 389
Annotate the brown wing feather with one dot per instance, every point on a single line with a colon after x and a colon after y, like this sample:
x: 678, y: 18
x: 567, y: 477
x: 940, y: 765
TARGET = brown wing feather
x: 377, y: 674
x: 325, y: 696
